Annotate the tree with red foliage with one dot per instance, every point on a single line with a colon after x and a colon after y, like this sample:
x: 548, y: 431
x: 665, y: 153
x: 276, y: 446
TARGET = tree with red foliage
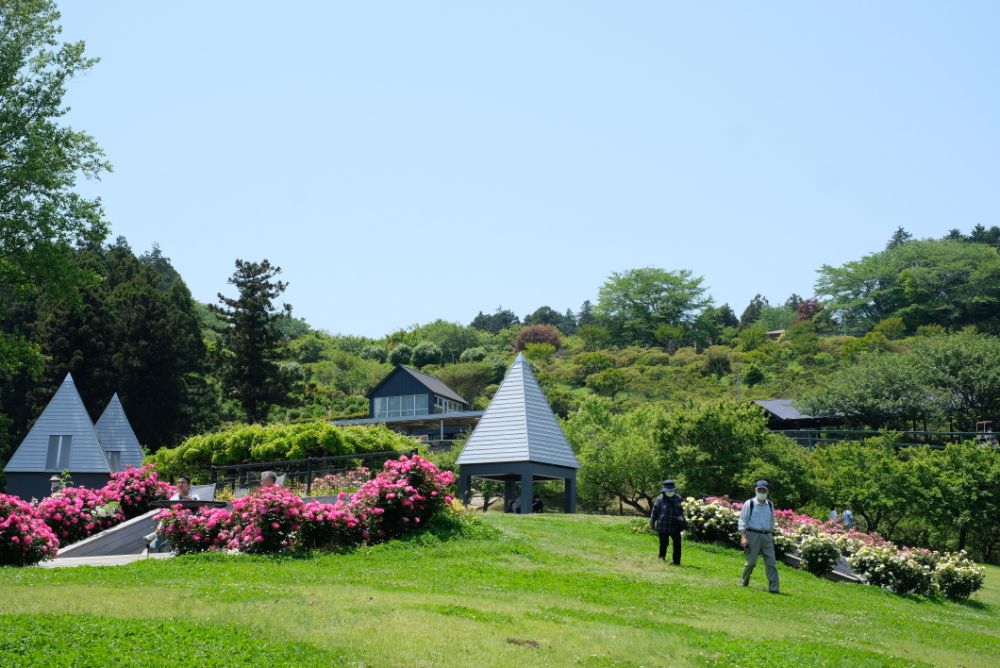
x: 537, y: 334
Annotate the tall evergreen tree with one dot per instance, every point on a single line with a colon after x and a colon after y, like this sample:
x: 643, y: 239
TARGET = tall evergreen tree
x: 253, y: 348
x: 751, y: 313
x: 136, y: 333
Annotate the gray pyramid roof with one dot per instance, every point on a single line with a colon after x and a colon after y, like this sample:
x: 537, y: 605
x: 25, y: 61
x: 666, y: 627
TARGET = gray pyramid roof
x: 64, y: 415
x: 518, y: 426
x: 116, y: 435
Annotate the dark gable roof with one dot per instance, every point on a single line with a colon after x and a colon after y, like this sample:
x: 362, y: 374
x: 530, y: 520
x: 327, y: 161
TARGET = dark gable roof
x: 783, y: 408
x: 430, y: 382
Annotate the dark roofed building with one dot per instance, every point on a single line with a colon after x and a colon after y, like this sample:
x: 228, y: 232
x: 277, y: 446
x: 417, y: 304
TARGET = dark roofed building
x: 783, y: 415
x: 419, y: 405
x: 407, y: 391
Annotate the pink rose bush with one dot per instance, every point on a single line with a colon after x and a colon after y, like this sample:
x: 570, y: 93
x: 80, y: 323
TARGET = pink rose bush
x: 194, y: 532
x: 400, y: 499
x: 25, y: 538
x: 821, y: 544
x: 74, y: 513
x: 329, y: 526
x: 405, y: 494
x: 332, y: 483
x: 265, y: 521
x: 136, y: 488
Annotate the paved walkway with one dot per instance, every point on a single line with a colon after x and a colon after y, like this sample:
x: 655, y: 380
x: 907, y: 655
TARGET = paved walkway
x: 108, y: 560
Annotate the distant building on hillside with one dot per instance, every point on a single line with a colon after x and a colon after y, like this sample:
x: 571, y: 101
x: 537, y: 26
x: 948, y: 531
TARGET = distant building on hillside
x: 64, y: 438
x: 782, y: 415
x: 417, y: 404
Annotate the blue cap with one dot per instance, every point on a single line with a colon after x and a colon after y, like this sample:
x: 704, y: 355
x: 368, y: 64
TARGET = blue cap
x: 761, y: 483
x: 668, y: 486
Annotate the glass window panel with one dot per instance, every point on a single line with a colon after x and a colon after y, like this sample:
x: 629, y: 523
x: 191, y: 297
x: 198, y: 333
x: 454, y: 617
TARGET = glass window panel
x: 52, y: 458
x: 64, y: 452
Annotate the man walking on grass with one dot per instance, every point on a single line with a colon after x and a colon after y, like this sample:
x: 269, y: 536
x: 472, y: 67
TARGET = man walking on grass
x: 756, y: 528
x: 667, y: 519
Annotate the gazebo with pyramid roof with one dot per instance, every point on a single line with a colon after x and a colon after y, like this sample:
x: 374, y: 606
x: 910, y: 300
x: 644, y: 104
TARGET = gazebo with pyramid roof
x: 519, y: 440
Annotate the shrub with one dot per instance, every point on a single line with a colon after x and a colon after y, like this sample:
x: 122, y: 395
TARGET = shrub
x: 425, y: 353
x: 897, y: 570
x: 194, y: 532
x: 538, y: 334
x: 404, y: 495
x: 376, y: 353
x: 265, y: 520
x: 819, y: 554
x: 957, y: 577
x: 135, y: 488
x: 401, y: 354
x: 74, y: 513
x: 711, y: 520
x: 345, y: 481
x: 25, y: 538
x: 329, y: 526
x: 476, y: 354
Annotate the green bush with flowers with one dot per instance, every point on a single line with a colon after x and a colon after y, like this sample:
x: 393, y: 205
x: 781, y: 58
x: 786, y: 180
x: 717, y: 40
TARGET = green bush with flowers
x: 957, y: 577
x: 819, y: 553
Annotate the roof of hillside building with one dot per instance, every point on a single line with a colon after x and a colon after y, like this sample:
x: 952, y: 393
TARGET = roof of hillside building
x: 115, y: 434
x: 518, y: 426
x: 435, y: 385
x: 783, y: 408
x: 65, y: 415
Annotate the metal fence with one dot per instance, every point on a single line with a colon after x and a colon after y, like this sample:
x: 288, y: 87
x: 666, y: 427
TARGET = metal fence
x: 299, y: 473
x: 812, y: 438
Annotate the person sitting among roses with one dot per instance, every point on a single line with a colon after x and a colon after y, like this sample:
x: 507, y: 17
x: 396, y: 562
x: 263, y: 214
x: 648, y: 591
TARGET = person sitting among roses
x: 184, y: 490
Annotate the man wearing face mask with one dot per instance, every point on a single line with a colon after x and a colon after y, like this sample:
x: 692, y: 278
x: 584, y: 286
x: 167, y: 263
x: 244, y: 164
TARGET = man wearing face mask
x: 667, y: 519
x: 756, y: 528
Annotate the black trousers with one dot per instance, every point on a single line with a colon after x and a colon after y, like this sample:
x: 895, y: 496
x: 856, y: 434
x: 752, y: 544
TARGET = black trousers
x: 665, y: 538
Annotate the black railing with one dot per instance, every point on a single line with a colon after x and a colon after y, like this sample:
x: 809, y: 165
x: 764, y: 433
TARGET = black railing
x: 299, y: 471
x: 812, y: 438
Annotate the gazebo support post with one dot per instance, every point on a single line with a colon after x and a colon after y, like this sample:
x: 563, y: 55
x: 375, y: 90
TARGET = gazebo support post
x: 508, y: 495
x: 465, y: 487
x: 570, y: 495
x: 527, y: 487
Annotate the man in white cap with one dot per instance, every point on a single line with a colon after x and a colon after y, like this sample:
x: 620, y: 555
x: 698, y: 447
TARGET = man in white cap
x: 756, y: 528
x: 667, y: 519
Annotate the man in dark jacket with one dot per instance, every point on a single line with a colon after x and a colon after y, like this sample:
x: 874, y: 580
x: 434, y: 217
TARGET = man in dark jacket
x: 668, y: 519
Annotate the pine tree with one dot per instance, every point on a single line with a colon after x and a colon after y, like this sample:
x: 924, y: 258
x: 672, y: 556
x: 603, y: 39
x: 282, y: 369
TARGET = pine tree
x: 253, y: 347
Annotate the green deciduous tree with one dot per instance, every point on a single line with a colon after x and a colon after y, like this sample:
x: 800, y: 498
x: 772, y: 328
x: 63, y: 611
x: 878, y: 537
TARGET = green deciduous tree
x: 253, y: 348
x: 708, y: 446
x: 42, y: 217
x: 618, y: 458
x: 872, y: 478
x: 943, y: 282
x: 632, y: 304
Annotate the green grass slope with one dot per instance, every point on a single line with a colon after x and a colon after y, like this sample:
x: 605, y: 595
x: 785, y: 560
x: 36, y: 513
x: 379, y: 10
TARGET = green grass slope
x: 549, y: 590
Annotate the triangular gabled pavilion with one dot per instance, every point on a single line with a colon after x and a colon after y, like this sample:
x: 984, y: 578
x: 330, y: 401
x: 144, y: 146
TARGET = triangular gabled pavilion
x: 62, y: 438
x: 519, y: 439
x: 117, y: 438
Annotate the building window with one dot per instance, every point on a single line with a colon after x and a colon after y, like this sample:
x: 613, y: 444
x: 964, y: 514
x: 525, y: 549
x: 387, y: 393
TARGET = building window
x: 57, y: 458
x: 442, y: 405
x: 115, y: 460
x: 400, y: 406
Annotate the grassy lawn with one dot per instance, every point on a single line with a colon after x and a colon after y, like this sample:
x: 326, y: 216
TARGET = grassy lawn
x: 533, y: 590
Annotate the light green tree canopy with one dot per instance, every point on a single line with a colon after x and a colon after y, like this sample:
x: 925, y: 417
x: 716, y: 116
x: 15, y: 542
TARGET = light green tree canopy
x: 634, y: 303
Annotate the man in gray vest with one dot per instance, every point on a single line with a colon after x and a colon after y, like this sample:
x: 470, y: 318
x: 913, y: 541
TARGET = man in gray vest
x: 756, y: 528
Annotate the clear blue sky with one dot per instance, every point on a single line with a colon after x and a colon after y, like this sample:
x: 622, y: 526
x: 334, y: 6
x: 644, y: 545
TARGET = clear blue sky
x: 414, y: 160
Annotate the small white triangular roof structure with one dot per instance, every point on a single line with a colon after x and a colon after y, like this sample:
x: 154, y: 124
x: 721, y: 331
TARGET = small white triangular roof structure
x: 64, y: 415
x: 116, y: 435
x: 519, y: 426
